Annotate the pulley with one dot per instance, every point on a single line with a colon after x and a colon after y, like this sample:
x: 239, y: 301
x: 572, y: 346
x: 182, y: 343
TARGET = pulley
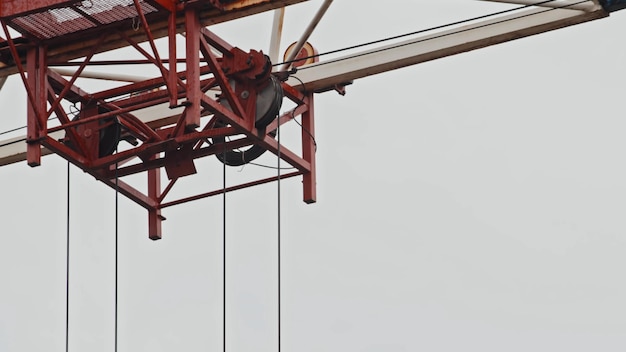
x: 109, y: 137
x: 109, y: 132
x: 268, y: 102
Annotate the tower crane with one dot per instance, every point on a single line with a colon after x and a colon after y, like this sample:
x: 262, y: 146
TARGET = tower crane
x: 215, y: 100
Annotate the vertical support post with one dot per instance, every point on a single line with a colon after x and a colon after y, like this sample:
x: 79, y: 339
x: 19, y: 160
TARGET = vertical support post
x: 36, y: 120
x: 173, y: 77
x: 155, y: 218
x: 277, y: 34
x: 89, y: 132
x: 308, y: 151
x: 42, y: 89
x: 192, y: 27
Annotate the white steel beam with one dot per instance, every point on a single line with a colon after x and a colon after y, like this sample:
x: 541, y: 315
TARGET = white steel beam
x: 556, y: 4
x: 277, y: 34
x: 117, y: 77
x: 327, y: 75
x: 14, y: 150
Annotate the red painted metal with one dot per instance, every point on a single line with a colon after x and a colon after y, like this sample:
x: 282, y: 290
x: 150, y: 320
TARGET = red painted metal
x: 308, y: 151
x: 35, y: 128
x: 10, y: 8
x: 229, y: 189
x: 172, y: 78
x: 172, y: 145
x: 168, y: 4
x: 46, y: 20
x: 192, y: 116
x: 154, y: 214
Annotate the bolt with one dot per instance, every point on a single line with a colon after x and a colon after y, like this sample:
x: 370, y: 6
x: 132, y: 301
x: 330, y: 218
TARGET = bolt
x: 245, y: 94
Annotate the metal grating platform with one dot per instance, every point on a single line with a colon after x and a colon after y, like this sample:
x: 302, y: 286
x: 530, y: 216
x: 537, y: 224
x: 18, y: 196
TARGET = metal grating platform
x: 78, y: 17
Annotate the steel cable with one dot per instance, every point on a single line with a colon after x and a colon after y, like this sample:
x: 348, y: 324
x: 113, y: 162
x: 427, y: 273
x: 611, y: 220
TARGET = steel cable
x: 117, y: 192
x: 224, y: 251
x: 278, y: 168
x: 67, y: 264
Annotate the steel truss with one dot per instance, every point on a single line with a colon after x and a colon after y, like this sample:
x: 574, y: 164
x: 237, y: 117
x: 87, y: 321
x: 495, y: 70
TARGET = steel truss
x: 89, y: 139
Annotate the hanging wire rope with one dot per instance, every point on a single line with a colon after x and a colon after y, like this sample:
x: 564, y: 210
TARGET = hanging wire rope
x: 224, y: 250
x: 117, y: 192
x: 278, y: 168
x: 67, y: 264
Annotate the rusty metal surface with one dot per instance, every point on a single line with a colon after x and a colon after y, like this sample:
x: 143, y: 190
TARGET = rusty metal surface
x: 54, y: 32
x: 10, y: 8
x: 60, y: 49
x: 206, y: 123
x: 77, y: 17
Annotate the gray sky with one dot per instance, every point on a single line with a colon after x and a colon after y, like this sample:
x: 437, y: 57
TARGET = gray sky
x: 473, y: 203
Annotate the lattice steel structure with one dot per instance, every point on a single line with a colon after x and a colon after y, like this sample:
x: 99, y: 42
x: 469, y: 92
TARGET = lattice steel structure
x: 225, y: 99
x: 57, y: 33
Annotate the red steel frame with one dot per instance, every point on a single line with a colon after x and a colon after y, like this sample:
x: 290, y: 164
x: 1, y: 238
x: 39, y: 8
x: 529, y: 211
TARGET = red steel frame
x: 172, y: 145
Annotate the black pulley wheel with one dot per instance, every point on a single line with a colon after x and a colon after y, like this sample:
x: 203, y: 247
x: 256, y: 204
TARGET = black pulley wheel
x: 268, y: 103
x: 109, y: 136
x: 239, y: 157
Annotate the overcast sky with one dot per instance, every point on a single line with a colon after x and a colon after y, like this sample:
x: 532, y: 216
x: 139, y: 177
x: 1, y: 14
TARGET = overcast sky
x: 473, y: 203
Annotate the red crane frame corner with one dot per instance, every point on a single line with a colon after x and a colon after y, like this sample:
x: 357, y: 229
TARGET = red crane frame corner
x: 174, y: 143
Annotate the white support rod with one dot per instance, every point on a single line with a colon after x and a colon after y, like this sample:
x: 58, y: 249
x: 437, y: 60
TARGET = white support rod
x: 277, y: 34
x: 117, y: 77
x: 327, y: 75
x: 307, y: 33
x: 557, y: 4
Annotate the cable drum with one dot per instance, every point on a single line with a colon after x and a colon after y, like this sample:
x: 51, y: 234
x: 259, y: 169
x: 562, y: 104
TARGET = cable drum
x: 268, y: 103
x: 108, y: 136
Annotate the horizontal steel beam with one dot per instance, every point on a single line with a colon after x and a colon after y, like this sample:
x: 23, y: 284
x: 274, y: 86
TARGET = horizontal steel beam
x: 106, y: 76
x: 555, y: 4
x: 330, y: 73
x: 14, y: 150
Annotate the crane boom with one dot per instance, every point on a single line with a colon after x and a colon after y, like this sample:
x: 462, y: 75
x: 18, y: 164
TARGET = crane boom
x: 324, y: 75
x: 328, y: 74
